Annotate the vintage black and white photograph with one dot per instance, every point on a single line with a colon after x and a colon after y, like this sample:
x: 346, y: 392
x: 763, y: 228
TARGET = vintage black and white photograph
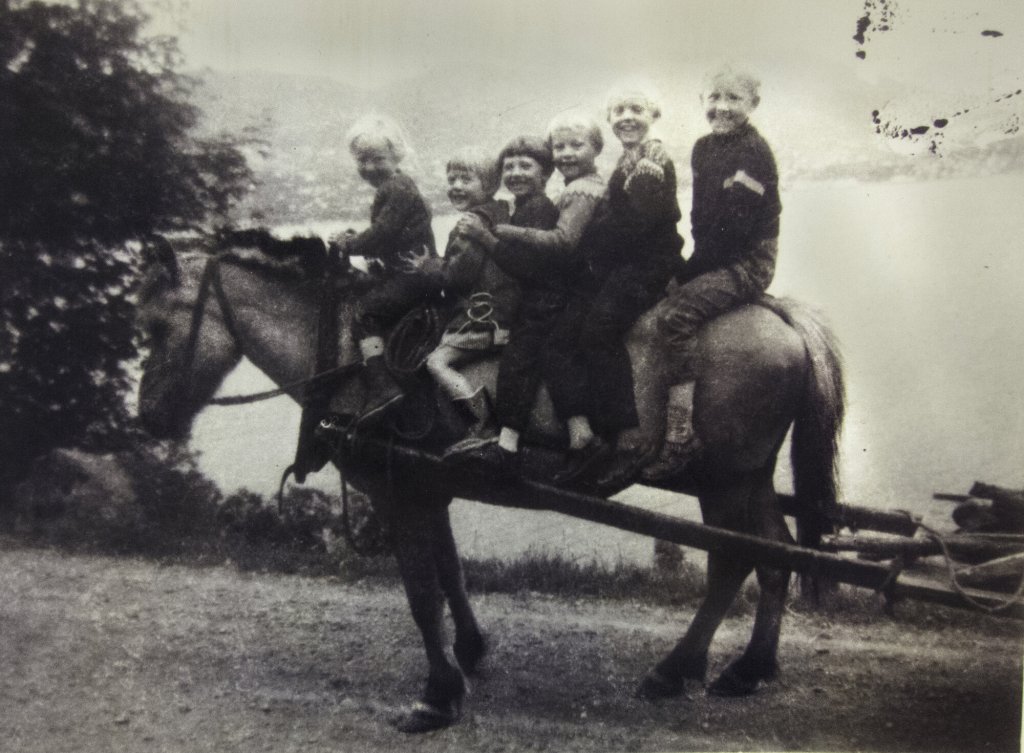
x: 549, y: 375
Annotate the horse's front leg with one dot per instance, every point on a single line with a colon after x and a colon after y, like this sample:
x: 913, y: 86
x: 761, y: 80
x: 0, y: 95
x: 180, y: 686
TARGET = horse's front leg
x: 415, y: 525
x: 470, y: 642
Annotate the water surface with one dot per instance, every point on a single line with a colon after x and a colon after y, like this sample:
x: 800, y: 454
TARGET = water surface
x: 923, y: 284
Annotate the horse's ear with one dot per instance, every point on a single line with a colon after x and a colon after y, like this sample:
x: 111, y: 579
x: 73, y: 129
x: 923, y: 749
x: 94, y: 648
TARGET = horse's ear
x: 160, y: 265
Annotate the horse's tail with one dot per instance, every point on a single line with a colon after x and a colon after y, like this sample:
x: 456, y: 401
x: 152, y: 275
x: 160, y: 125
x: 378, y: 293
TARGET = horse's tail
x: 819, y: 419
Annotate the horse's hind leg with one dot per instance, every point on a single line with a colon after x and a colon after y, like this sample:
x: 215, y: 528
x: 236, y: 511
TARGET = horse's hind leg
x: 759, y: 663
x: 470, y: 643
x: 415, y: 524
x: 688, y: 660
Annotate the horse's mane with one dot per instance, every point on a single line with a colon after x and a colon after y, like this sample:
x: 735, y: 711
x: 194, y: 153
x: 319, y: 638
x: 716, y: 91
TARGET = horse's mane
x: 300, y: 256
x: 298, y: 259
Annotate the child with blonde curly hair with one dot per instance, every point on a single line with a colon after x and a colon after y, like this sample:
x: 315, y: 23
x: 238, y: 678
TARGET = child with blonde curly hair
x: 399, y: 230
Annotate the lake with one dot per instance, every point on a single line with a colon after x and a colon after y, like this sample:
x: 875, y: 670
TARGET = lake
x: 922, y: 283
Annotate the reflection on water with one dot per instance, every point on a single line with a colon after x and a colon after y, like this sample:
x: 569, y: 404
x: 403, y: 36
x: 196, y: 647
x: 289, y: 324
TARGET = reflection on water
x: 922, y: 282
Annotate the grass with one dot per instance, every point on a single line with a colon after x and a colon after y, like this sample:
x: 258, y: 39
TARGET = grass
x: 556, y: 575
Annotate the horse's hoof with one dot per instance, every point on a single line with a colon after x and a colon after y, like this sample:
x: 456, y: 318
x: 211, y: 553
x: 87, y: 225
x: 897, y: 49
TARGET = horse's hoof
x: 655, y: 687
x: 469, y: 654
x: 731, y: 685
x: 426, y: 717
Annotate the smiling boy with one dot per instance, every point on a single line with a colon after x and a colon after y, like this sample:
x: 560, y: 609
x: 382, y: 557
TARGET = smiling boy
x: 735, y: 223
x: 487, y: 298
x: 629, y: 252
x: 526, y: 165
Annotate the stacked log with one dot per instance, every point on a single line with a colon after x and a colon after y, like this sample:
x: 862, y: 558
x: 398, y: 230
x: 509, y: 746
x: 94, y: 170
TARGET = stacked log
x: 988, y: 508
x: 990, y: 513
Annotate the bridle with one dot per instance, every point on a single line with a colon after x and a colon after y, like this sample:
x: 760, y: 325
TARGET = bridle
x: 211, y: 282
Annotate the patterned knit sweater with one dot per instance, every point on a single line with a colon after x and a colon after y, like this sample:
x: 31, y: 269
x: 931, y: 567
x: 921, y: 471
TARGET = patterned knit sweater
x: 576, y: 207
x: 636, y: 225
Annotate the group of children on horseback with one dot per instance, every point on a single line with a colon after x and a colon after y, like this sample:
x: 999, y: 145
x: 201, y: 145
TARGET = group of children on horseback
x: 555, y: 288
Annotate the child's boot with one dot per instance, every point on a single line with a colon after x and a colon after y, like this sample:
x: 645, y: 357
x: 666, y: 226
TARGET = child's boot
x: 681, y: 442
x: 382, y: 391
x: 476, y: 409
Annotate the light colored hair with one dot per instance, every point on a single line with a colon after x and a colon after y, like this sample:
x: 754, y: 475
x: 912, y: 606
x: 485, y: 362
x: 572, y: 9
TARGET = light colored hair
x: 378, y: 128
x: 741, y: 76
x: 634, y: 88
x: 481, y: 163
x: 572, y: 120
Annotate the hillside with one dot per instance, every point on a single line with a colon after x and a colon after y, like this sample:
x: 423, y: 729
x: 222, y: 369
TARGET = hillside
x: 818, y: 130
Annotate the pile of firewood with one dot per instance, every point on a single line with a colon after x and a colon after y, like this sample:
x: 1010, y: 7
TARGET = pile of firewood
x: 996, y: 514
x: 988, y: 509
x: 986, y: 551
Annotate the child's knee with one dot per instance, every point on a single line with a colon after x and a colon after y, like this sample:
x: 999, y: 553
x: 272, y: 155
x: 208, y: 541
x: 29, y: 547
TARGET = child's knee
x: 437, y: 362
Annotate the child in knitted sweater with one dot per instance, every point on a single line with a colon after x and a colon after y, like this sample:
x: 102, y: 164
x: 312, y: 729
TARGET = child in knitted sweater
x: 735, y: 222
x: 631, y: 251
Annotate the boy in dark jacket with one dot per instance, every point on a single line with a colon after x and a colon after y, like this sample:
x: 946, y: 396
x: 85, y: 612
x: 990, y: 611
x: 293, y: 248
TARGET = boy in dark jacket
x: 735, y: 223
x: 399, y: 226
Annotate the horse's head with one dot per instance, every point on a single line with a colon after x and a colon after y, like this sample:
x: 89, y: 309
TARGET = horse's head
x: 182, y: 370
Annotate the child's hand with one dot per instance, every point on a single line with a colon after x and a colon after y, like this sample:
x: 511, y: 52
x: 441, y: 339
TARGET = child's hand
x: 416, y: 260
x: 472, y: 227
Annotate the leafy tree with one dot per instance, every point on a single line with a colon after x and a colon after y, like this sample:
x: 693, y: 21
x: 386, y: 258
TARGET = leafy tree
x: 99, y: 153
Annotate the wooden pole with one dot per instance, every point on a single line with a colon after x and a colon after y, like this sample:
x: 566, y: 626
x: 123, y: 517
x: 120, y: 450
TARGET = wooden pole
x: 966, y: 545
x: 1002, y: 568
x: 533, y: 495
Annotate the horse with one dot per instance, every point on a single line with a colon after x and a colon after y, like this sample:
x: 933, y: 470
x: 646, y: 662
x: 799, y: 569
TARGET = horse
x: 762, y: 369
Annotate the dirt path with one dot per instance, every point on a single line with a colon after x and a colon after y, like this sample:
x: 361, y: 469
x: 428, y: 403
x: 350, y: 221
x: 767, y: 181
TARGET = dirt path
x: 102, y: 654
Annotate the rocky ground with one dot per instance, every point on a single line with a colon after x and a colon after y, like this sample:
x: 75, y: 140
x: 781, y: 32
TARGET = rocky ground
x: 102, y: 654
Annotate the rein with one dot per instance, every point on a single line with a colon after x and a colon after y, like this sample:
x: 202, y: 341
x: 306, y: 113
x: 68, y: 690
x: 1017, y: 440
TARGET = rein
x: 211, y: 281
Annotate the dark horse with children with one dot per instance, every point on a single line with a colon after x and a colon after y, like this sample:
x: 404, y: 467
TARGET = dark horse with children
x: 763, y: 369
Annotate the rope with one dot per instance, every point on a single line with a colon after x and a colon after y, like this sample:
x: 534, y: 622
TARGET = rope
x: 280, y: 488
x: 1009, y: 602
x: 412, y: 340
x: 408, y: 345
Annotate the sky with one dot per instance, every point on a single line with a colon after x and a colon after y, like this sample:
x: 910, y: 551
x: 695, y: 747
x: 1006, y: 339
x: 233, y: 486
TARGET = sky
x: 936, y: 43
